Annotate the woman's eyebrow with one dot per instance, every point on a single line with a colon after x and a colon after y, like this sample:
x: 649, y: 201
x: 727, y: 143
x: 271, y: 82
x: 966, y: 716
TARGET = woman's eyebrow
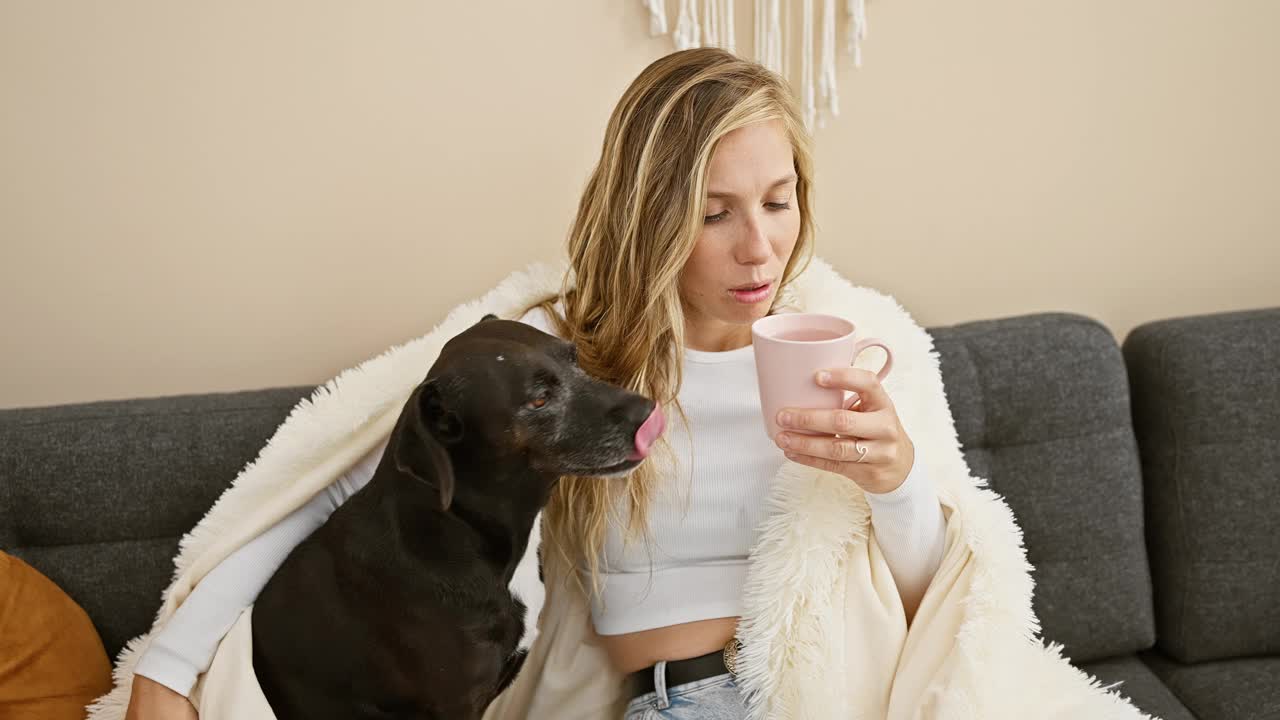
x: 774, y: 184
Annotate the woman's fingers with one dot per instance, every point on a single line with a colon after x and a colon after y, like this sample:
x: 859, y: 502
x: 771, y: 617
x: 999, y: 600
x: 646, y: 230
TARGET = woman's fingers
x: 863, y: 382
x: 868, y: 413
x: 837, y: 449
x: 854, y: 423
x: 867, y: 421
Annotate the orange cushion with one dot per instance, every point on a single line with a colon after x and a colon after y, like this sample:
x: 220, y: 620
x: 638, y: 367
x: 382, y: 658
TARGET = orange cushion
x: 52, y: 662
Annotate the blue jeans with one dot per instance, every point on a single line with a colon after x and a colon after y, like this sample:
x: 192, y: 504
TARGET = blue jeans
x: 713, y: 698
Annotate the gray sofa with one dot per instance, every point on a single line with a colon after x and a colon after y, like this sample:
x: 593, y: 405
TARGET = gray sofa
x: 1146, y: 481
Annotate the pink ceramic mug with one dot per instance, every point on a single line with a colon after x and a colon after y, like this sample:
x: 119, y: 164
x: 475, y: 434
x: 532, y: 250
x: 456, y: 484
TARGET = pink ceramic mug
x: 791, y: 348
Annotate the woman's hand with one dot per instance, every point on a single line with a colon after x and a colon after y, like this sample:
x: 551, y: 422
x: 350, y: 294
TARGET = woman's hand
x: 868, y: 421
x: 152, y: 701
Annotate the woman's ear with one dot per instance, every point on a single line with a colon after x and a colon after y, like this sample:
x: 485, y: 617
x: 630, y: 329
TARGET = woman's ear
x: 419, y: 450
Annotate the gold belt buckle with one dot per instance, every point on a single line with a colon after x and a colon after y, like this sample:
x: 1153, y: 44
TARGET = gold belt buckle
x: 731, y: 649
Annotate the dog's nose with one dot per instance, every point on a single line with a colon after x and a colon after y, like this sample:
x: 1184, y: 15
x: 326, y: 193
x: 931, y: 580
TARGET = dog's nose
x: 645, y: 417
x: 632, y: 412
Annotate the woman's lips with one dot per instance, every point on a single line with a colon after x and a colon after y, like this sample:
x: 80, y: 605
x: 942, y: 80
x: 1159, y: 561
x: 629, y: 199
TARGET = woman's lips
x: 752, y: 295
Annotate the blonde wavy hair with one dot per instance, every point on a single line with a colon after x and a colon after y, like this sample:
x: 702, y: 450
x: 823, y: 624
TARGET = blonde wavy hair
x: 637, y: 222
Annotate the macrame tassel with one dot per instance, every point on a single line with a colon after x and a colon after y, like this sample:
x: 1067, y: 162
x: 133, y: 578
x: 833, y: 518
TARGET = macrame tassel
x: 657, y: 16
x: 827, y: 91
x: 857, y: 29
x: 730, y: 34
x: 808, y: 107
x: 786, y: 34
x: 687, y: 30
x: 768, y: 34
x: 711, y: 24
x: 757, y: 28
x: 773, y: 40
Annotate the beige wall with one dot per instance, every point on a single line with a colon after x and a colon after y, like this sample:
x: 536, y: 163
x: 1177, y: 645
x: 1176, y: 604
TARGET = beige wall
x: 216, y: 196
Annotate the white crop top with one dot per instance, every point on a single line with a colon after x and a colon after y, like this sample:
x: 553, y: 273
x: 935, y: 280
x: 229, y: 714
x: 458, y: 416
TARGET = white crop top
x: 703, y: 519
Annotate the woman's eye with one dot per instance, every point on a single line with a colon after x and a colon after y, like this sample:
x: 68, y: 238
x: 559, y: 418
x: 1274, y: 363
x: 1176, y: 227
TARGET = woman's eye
x: 785, y: 205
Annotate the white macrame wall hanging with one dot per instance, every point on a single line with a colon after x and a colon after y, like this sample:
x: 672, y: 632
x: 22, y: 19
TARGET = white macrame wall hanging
x: 706, y: 23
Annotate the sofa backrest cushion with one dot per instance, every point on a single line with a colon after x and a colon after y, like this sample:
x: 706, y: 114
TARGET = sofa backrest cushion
x: 97, y: 495
x: 1206, y: 404
x: 1041, y: 407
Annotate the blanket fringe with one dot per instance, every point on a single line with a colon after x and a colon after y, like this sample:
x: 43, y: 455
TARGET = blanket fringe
x: 781, y: 598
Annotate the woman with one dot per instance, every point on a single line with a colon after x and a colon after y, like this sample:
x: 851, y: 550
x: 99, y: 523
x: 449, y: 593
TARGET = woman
x: 695, y: 220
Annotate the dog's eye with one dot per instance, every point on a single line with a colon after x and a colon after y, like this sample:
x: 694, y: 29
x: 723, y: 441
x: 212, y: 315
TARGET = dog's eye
x: 537, y: 402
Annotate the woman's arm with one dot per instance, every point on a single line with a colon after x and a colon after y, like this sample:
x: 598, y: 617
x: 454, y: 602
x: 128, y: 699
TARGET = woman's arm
x: 911, y: 531
x: 865, y: 442
x: 149, y: 700
x: 185, y: 646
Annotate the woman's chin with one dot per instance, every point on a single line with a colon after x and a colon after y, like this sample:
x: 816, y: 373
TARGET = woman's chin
x: 744, y: 313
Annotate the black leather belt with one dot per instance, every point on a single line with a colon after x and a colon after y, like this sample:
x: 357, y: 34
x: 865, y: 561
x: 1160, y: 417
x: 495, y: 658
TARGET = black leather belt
x: 716, y: 662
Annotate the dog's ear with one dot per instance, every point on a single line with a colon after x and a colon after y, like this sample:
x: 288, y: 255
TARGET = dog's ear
x: 436, y: 415
x: 488, y: 316
x: 423, y: 456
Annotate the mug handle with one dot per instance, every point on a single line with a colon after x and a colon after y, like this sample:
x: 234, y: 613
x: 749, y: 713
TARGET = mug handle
x: 883, y: 373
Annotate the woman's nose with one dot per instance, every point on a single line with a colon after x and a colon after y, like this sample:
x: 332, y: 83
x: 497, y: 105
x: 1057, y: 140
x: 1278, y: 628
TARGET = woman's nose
x: 753, y: 248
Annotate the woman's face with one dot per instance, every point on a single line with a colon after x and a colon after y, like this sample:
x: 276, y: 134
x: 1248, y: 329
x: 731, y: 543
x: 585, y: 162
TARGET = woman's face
x: 751, y: 226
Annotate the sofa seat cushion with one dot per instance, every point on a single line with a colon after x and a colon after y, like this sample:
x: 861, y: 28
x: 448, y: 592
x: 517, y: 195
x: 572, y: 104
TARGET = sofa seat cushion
x: 1140, y: 685
x: 1238, y: 689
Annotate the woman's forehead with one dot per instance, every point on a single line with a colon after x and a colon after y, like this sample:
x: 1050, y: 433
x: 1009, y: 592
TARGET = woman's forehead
x: 752, y: 158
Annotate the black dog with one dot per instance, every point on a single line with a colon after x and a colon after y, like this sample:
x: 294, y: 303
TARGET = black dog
x: 398, y: 606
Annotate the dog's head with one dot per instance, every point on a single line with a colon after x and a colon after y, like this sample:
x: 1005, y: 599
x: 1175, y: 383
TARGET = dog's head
x: 506, y: 396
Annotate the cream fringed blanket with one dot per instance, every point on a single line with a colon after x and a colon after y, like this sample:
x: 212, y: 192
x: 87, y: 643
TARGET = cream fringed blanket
x: 824, y: 630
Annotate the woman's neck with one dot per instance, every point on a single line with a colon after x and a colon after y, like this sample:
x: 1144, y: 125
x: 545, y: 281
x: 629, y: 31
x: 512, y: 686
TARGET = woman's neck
x: 720, y: 337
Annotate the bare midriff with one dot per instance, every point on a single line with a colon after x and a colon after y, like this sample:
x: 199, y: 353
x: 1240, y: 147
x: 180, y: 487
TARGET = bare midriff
x: 638, y: 650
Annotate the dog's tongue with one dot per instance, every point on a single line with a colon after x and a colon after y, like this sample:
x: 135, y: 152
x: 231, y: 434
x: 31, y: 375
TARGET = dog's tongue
x: 649, y: 431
